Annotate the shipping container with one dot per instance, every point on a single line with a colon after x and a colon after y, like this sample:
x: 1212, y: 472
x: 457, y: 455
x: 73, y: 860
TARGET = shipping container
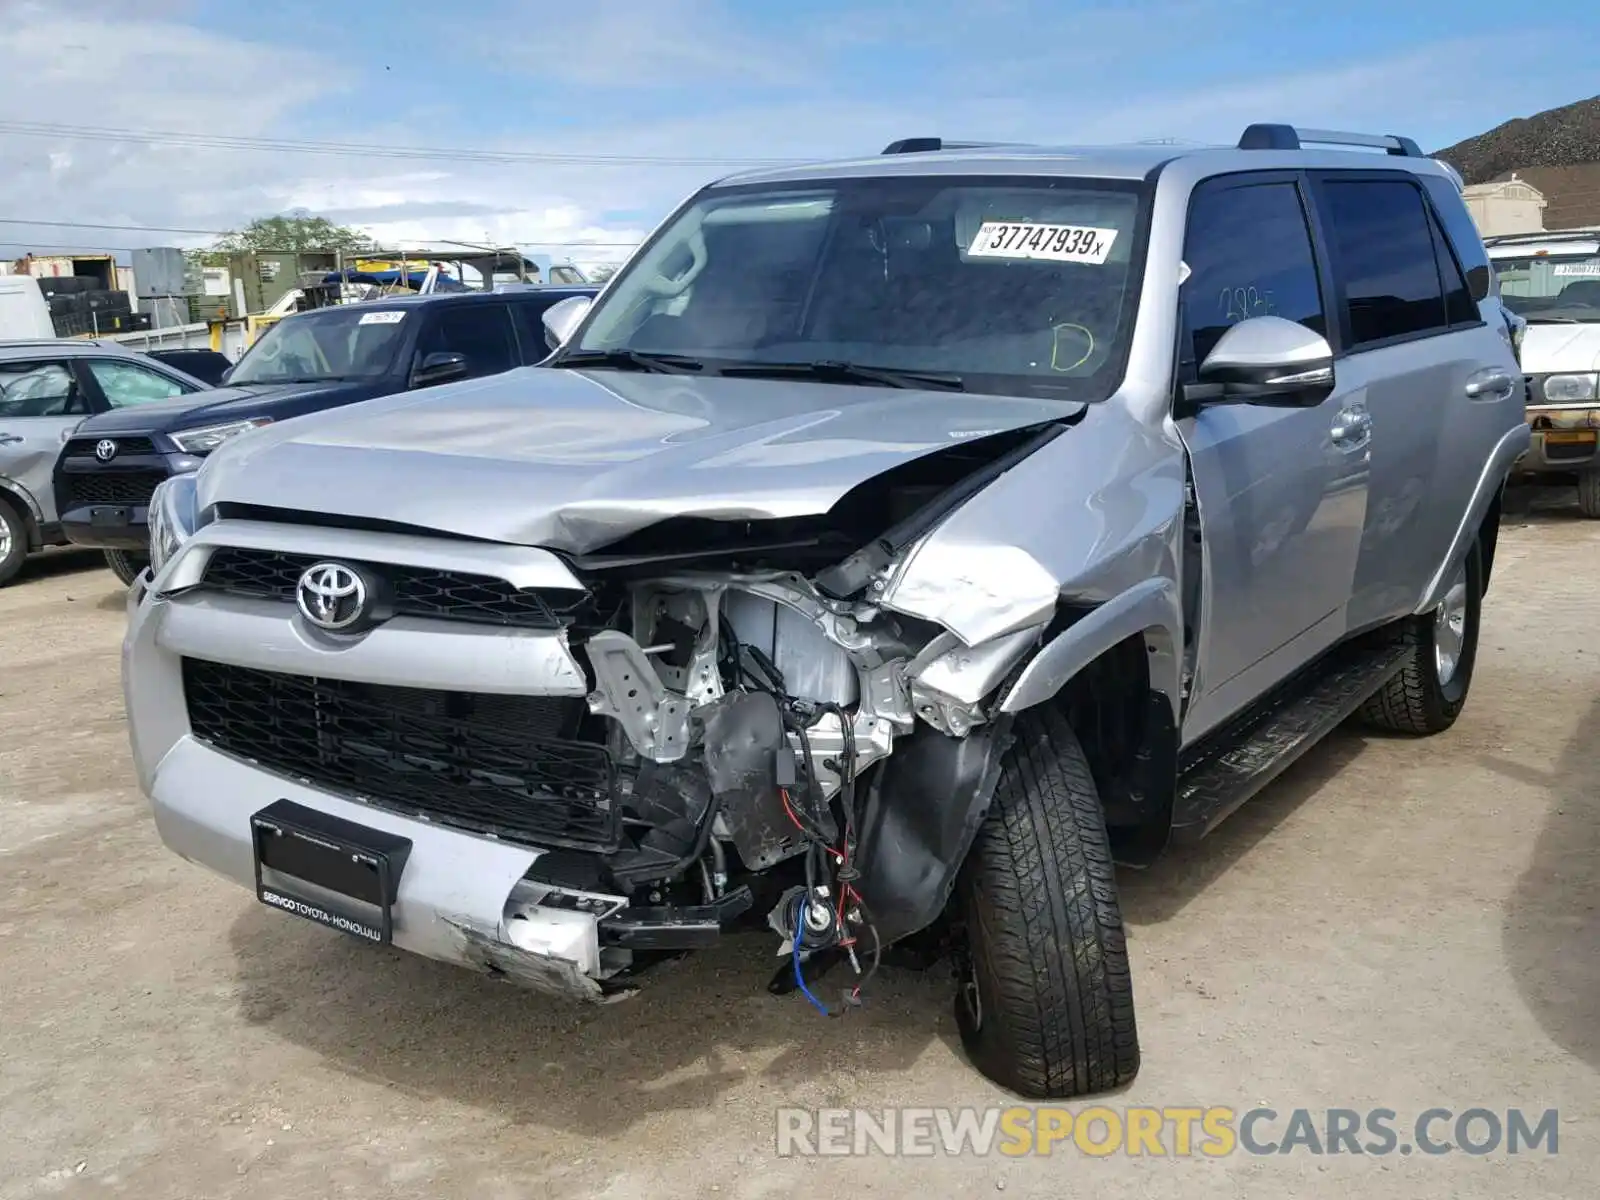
x: 101, y: 268
x: 161, y: 271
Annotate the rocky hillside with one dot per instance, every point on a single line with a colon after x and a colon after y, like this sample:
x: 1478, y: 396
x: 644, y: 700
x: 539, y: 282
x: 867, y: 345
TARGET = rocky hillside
x: 1562, y: 137
x: 1557, y: 151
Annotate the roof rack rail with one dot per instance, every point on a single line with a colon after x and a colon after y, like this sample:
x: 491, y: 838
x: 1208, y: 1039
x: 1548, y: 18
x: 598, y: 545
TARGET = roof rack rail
x: 1287, y: 137
x: 1544, y: 235
x: 921, y: 145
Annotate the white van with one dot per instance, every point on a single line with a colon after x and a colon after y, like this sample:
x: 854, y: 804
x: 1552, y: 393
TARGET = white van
x: 24, y: 312
x: 1552, y: 281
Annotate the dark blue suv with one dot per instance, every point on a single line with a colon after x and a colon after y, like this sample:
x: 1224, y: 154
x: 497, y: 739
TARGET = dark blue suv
x: 305, y: 363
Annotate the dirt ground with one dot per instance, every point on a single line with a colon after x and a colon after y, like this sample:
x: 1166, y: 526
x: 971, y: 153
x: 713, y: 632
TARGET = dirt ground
x: 1394, y: 924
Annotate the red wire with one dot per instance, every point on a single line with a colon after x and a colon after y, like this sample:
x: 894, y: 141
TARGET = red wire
x: 845, y: 890
x: 783, y: 794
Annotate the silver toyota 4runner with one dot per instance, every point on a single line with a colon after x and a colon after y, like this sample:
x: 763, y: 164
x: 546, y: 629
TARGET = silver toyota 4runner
x: 892, y: 546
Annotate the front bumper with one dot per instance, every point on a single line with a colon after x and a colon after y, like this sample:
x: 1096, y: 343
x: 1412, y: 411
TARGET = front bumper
x: 461, y: 898
x: 106, y: 506
x: 1562, y: 439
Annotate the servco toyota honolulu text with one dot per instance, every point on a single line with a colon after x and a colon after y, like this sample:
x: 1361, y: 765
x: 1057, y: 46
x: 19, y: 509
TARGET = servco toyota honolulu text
x: 891, y: 546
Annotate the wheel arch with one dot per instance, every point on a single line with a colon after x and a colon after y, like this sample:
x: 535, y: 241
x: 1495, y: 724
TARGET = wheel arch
x: 23, y: 505
x: 1114, y: 669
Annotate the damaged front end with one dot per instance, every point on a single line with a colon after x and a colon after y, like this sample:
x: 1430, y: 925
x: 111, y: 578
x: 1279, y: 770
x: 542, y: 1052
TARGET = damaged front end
x: 788, y: 750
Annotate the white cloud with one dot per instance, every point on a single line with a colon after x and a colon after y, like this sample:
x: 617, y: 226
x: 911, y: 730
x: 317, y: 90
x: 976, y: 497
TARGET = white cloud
x: 106, y: 63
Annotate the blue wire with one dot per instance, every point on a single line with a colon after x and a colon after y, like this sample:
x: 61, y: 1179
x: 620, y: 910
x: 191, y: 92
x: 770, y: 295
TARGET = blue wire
x: 799, y: 917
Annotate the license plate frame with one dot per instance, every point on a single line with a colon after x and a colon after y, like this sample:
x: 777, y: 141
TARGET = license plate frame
x: 353, y: 871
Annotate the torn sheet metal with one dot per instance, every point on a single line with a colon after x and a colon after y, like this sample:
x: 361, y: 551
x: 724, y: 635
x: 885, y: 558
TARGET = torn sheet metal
x: 538, y: 972
x: 628, y: 688
x: 1003, y: 560
x: 948, y: 688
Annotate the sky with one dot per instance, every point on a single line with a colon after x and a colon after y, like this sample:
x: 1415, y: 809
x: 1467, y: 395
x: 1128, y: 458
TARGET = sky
x: 719, y: 83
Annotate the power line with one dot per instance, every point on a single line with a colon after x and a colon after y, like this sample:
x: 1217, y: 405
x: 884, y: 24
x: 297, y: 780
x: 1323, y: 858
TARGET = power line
x: 364, y: 149
x: 380, y: 252
x: 122, y: 228
x: 223, y: 232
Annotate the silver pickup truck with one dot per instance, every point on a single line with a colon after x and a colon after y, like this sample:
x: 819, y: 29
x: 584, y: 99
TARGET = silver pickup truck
x: 890, y: 548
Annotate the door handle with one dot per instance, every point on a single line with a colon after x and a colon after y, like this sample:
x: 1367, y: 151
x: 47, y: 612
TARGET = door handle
x: 1490, y: 384
x: 7, y: 439
x: 1352, y: 428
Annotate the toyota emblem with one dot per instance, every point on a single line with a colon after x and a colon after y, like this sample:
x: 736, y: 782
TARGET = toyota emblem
x: 332, y: 596
x: 105, y: 449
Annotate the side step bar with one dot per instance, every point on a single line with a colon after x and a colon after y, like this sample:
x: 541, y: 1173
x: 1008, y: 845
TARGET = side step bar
x: 1226, y: 770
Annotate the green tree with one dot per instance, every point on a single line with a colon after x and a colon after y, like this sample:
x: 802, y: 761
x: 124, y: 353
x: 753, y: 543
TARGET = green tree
x: 296, y: 230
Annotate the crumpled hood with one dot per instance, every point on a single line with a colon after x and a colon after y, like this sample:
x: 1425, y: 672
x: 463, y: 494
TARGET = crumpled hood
x: 573, y: 460
x: 1559, y: 348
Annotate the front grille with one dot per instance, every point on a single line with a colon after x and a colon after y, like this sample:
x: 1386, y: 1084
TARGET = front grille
x: 411, y: 591
x: 84, y: 447
x: 509, y: 766
x: 110, y: 487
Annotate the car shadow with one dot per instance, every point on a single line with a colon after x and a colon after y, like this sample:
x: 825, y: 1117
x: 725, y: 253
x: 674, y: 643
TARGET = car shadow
x: 58, y: 561
x: 699, y: 1027
x: 1541, y: 504
x: 1551, y: 930
x: 1162, y: 891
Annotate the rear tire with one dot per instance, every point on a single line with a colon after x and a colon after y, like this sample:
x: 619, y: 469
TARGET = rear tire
x: 1045, y: 1005
x: 1425, y: 697
x: 1589, y: 494
x: 126, y: 565
x: 13, y: 542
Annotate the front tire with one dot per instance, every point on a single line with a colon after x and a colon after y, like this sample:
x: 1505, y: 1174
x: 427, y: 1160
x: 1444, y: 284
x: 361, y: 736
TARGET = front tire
x: 126, y: 565
x: 13, y: 542
x: 1430, y: 691
x: 1045, y: 1006
x: 1589, y: 494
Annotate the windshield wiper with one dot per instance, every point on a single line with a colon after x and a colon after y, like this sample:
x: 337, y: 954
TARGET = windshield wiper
x: 848, y: 372
x: 632, y: 360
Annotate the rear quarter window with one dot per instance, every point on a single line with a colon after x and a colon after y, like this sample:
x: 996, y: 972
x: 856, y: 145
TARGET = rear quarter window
x: 1462, y: 232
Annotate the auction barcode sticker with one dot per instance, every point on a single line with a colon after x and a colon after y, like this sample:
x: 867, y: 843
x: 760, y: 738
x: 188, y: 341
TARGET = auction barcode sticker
x: 1052, y: 243
x: 388, y: 316
x: 1579, y: 268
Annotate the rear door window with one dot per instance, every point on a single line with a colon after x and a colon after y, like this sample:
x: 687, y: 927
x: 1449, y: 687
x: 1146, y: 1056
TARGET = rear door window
x: 40, y: 388
x: 1384, y: 259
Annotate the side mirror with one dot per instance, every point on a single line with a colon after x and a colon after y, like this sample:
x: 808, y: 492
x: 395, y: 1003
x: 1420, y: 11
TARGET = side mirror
x: 1265, y: 360
x: 222, y: 380
x: 439, y: 367
x: 562, y: 318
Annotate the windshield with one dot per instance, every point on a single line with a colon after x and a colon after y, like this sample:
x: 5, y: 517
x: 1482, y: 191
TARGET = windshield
x: 348, y: 342
x: 1551, y: 287
x: 1018, y: 286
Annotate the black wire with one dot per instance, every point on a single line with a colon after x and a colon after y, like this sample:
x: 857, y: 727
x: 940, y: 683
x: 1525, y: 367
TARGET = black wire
x: 877, y: 942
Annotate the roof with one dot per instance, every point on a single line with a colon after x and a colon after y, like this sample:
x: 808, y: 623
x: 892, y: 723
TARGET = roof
x: 1517, y: 245
x: 1133, y: 162
x: 15, y: 348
